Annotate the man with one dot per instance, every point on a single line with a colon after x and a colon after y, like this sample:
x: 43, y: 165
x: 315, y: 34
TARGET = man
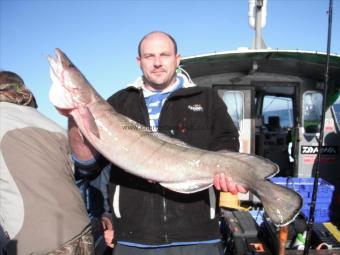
x: 147, y: 218
x: 42, y: 211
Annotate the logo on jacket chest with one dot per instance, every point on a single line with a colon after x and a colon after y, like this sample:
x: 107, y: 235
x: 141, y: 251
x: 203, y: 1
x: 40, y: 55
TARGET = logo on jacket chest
x: 195, y: 107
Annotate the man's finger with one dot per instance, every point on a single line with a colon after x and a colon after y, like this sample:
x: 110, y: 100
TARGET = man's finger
x: 230, y: 185
x: 217, y: 182
x: 108, y: 237
x: 223, y: 183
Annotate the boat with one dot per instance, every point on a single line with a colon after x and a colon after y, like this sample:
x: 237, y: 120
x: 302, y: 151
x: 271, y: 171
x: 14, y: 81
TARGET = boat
x: 286, y: 106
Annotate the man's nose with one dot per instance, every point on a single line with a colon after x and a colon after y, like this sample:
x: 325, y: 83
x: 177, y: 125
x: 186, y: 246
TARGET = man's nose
x: 157, y: 61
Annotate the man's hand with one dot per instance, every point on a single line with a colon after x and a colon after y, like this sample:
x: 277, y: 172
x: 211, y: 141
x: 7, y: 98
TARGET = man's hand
x: 108, y: 231
x: 226, y: 184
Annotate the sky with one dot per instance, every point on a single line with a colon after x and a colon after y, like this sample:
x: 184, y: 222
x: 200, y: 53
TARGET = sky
x: 101, y: 36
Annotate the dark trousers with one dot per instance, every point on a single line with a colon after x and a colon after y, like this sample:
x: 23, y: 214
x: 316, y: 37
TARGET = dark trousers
x: 197, y: 249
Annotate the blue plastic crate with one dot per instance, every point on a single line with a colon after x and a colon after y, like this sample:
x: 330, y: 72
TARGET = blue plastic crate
x: 304, y: 186
x: 320, y: 214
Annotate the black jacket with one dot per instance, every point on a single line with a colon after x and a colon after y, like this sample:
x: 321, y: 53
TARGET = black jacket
x: 148, y: 213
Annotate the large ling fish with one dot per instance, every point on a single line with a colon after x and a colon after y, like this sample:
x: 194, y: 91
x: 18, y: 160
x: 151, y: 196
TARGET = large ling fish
x: 153, y: 156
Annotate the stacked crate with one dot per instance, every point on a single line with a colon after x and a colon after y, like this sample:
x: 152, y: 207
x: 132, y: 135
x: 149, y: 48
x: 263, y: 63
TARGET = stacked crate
x: 304, y: 186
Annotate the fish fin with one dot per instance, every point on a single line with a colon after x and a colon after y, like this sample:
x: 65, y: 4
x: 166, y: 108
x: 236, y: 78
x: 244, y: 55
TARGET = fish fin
x: 263, y: 166
x: 280, y: 203
x: 187, y: 187
x: 89, y: 121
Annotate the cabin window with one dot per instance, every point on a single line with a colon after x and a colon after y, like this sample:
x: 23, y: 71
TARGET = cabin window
x: 234, y: 101
x: 277, y: 112
x: 312, y: 108
x: 336, y: 107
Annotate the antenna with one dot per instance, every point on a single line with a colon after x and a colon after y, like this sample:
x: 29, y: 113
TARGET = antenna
x: 316, y: 174
x: 257, y: 13
x: 252, y: 13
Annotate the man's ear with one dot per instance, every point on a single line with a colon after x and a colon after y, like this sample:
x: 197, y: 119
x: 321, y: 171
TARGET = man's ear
x: 178, y: 59
x: 138, y: 60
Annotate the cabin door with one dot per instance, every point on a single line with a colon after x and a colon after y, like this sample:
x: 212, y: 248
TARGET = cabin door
x: 274, y: 131
x: 240, y: 102
x: 309, y: 133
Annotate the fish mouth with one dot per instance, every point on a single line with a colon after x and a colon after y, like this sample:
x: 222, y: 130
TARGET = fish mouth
x: 59, y: 94
x: 65, y: 112
x: 58, y: 97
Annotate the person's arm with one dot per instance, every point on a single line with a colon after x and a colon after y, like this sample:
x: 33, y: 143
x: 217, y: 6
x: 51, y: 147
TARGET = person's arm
x: 85, y: 157
x: 80, y: 147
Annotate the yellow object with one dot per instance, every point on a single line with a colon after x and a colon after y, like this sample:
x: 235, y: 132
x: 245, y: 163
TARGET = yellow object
x: 229, y: 200
x: 333, y: 229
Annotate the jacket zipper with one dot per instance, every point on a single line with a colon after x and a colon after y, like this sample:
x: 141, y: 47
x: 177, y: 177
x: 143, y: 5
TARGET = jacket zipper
x: 166, y: 238
x: 147, y: 122
x: 165, y: 219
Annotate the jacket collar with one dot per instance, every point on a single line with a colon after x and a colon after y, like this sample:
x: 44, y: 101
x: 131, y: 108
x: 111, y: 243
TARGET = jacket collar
x: 189, y: 87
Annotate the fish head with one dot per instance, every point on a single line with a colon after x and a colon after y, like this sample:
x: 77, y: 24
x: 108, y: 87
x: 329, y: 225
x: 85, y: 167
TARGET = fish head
x: 70, y: 89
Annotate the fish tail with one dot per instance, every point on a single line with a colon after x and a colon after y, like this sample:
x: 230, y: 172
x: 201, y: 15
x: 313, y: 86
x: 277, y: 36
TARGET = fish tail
x: 281, y: 204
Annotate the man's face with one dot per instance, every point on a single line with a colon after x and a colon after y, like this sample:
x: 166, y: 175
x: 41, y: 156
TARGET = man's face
x: 158, y: 61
